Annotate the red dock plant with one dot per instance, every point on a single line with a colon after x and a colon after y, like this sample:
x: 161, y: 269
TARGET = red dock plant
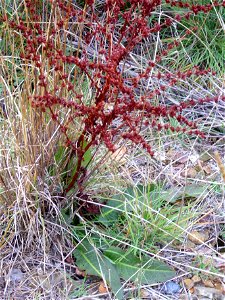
x: 95, y: 43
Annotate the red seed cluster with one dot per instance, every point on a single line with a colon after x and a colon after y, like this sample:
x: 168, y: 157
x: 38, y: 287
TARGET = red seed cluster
x: 116, y: 109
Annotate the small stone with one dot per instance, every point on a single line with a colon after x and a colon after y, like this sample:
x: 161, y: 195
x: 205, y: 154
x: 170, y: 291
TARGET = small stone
x: 194, y: 158
x: 145, y: 293
x: 16, y: 275
x: 2, y: 283
x: 196, y: 279
x: 185, y: 297
x: 191, y: 172
x: 190, y: 245
x: 171, y: 287
x: 210, y: 293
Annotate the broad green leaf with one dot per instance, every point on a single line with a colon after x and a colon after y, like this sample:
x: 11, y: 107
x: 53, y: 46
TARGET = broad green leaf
x: 194, y: 190
x: 90, y: 259
x: 142, y: 270
x: 189, y: 191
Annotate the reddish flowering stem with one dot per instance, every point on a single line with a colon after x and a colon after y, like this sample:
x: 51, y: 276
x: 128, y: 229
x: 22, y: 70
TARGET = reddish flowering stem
x: 117, y: 108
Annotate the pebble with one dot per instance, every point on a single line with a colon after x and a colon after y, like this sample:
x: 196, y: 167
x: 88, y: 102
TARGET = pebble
x: 171, y: 287
x: 16, y: 275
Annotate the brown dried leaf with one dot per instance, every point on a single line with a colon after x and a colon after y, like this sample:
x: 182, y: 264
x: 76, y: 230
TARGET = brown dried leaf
x: 189, y: 283
x: 205, y: 157
x: 145, y: 294
x: 208, y: 283
x: 119, y: 155
x: 80, y: 272
x: 220, y: 164
x: 206, y: 292
x: 220, y: 286
x: 191, y: 173
x: 102, y: 288
x: 196, y: 279
x: 198, y: 237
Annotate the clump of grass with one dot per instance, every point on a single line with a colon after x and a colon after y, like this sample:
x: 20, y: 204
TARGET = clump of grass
x: 204, y: 47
